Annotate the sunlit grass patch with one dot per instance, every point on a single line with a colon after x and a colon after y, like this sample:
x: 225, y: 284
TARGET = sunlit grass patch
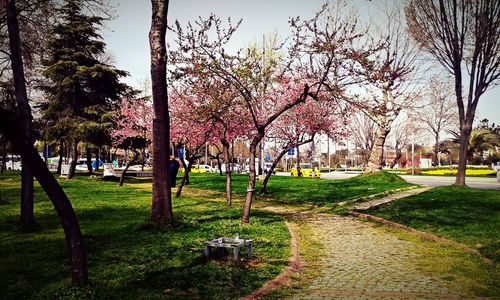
x: 469, y: 216
x: 128, y: 258
x: 307, y: 190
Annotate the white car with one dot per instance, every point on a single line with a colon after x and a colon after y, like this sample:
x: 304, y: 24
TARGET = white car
x: 234, y: 167
x: 82, y: 168
x: 207, y: 168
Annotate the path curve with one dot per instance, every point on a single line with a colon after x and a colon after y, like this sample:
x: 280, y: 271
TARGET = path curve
x: 363, y: 261
x: 284, y: 277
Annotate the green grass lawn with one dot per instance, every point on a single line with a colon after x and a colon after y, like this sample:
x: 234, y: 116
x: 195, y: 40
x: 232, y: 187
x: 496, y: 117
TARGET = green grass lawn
x: 128, y: 259
x: 294, y: 190
x: 469, y: 216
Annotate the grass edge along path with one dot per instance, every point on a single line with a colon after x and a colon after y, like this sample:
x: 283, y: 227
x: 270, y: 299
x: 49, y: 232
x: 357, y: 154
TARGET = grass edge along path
x: 457, y: 265
x: 429, y: 253
x: 423, y: 235
x: 293, y: 267
x: 464, y: 215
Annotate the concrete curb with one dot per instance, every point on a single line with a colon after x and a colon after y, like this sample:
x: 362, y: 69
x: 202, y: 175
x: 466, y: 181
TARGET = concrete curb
x: 422, y: 235
x: 293, y: 267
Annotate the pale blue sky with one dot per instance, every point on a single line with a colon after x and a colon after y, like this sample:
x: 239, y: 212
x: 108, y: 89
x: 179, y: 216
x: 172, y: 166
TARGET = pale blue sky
x: 127, y: 35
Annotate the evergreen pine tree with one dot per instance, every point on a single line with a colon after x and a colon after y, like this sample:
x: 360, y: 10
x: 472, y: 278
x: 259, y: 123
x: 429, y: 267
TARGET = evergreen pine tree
x: 82, y: 90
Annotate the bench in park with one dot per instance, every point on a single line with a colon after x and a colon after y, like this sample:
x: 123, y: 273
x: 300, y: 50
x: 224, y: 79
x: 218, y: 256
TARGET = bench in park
x: 223, y: 243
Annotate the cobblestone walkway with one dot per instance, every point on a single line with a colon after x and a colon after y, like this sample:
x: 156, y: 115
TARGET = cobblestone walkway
x: 363, y: 261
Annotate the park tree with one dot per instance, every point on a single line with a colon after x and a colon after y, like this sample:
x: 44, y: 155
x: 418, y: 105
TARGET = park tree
x: 217, y: 154
x: 363, y: 130
x: 464, y: 37
x: 14, y: 127
x: 388, y: 77
x: 260, y: 76
x: 439, y: 112
x: 161, y: 208
x: 405, y: 130
x: 232, y: 121
x: 300, y: 126
x: 480, y: 140
x: 82, y: 90
x: 494, y: 153
x: 8, y: 101
x: 206, y: 99
x: 27, y: 217
x: 191, y: 128
x: 133, y: 128
x: 244, y: 71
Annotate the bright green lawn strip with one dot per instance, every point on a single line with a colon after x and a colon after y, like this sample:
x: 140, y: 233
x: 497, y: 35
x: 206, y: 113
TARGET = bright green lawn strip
x: 306, y: 190
x: 469, y: 216
x: 128, y: 260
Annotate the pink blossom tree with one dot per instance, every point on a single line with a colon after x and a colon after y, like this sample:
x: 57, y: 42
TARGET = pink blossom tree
x: 190, y: 128
x: 214, y: 108
x: 256, y: 85
x: 300, y: 125
x: 134, y: 128
x: 315, y: 58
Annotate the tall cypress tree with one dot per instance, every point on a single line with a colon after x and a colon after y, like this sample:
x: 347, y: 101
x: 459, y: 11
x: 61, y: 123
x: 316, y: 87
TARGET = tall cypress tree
x: 82, y: 89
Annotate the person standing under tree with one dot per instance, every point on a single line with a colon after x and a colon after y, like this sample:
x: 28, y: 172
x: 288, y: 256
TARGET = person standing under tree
x: 173, y: 169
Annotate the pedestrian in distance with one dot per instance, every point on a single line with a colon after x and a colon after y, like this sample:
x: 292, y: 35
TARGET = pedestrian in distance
x: 173, y: 169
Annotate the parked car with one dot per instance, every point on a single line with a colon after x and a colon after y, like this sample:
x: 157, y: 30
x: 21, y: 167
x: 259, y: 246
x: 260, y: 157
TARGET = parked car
x: 201, y: 169
x: 81, y: 167
x: 306, y: 170
x: 235, y: 168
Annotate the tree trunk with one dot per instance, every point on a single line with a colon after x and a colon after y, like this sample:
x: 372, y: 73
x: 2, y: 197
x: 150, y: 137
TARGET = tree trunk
x: 251, y: 183
x: 436, y: 151
x: 185, y: 177
x: 4, y: 160
x: 143, y: 158
x: 74, y: 240
x: 161, y: 208
x: 465, y: 131
x: 122, y: 177
x: 24, y: 113
x: 88, y: 154
x: 219, y: 165
x: 299, y: 172
x: 263, y: 189
x: 61, y: 151
x: 74, y: 158
x: 225, y: 146
x: 103, y: 155
x: 185, y: 166
x: 96, y: 168
x: 396, y: 160
x: 377, y: 155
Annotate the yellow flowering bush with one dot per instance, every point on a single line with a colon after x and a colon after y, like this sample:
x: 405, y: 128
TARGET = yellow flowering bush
x: 453, y: 172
